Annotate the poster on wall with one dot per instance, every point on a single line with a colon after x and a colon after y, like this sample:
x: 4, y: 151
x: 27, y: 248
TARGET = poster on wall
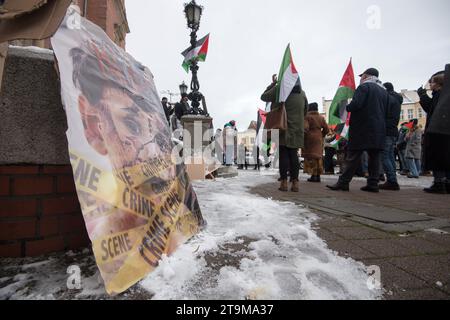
x: 137, y: 201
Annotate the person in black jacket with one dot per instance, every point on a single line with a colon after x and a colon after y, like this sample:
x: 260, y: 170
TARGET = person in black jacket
x: 436, y: 144
x: 182, y: 108
x: 401, y: 148
x: 392, y: 121
x: 168, y: 110
x: 367, y: 131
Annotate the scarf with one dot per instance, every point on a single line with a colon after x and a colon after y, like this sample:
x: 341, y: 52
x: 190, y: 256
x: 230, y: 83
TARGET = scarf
x: 373, y: 79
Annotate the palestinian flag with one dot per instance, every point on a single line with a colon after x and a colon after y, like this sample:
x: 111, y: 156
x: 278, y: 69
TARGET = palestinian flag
x: 288, y: 77
x: 198, y: 53
x: 409, y: 125
x: 341, y: 132
x: 347, y: 87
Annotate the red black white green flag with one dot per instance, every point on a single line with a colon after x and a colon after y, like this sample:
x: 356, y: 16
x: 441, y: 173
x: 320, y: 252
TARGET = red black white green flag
x: 198, y: 53
x: 347, y: 87
x: 288, y: 77
x: 338, y: 114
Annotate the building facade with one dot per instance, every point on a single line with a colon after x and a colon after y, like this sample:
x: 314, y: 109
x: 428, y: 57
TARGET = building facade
x: 110, y: 15
x: 248, y: 137
x: 326, y: 104
x: 411, y: 108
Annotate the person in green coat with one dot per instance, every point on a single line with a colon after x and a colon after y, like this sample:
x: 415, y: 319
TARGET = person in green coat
x: 292, y: 139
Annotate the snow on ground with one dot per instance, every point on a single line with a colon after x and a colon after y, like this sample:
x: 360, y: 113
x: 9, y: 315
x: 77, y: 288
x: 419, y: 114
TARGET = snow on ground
x: 252, y: 248
x: 47, y: 278
x: 33, y: 49
x: 256, y: 248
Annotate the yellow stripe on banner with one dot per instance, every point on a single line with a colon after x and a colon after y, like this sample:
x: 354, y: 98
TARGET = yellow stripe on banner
x: 126, y: 256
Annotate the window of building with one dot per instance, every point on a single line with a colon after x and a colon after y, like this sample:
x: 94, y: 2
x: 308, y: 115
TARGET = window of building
x: 119, y: 33
x: 252, y: 140
x: 420, y: 113
x: 402, y: 115
x: 410, y: 114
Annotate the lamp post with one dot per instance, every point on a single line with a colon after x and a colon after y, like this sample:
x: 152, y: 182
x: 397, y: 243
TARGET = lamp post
x: 183, y: 88
x: 193, y: 14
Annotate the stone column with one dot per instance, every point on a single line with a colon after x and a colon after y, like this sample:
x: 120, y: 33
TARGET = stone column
x: 39, y: 208
x: 197, y: 134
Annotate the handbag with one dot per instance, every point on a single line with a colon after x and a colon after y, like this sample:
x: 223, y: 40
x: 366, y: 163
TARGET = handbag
x: 277, y: 118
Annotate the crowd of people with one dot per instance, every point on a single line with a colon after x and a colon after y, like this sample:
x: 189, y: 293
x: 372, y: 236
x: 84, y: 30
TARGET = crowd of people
x: 374, y: 140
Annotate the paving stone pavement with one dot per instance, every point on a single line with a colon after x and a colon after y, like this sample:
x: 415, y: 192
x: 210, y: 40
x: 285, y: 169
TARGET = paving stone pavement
x: 414, y: 261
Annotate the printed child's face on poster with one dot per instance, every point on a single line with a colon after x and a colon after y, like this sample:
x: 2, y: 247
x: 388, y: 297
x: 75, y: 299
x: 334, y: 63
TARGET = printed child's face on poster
x: 129, y: 133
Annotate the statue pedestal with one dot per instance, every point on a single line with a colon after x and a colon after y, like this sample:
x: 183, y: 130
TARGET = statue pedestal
x: 197, y: 134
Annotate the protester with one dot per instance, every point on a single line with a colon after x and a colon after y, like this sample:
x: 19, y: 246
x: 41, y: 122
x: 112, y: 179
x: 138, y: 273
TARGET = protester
x: 230, y: 143
x: 401, y: 148
x: 392, y: 121
x: 168, y: 110
x: 182, y: 108
x: 255, y: 157
x: 218, y: 144
x: 437, y: 135
x: 367, y: 131
x: 246, y: 162
x: 330, y: 152
x: 414, y: 150
x: 241, y: 156
x: 291, y: 139
x: 341, y: 154
x: 316, y: 129
x: 364, y: 165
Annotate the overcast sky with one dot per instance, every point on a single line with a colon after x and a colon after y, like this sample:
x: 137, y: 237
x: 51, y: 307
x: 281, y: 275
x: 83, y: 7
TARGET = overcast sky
x: 409, y: 42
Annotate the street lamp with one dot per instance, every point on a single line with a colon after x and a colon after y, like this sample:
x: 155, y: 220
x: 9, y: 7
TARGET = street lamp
x: 183, y: 88
x: 193, y: 14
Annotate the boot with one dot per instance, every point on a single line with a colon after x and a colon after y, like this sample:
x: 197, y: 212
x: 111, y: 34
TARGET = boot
x: 295, y: 186
x: 318, y: 179
x: 370, y: 189
x: 437, y: 188
x: 339, y: 187
x: 314, y: 179
x: 390, y: 186
x: 447, y: 187
x: 284, y: 186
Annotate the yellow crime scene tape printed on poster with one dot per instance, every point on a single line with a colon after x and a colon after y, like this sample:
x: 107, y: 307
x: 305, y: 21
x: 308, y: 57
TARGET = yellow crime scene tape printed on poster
x: 105, y: 186
x: 128, y: 255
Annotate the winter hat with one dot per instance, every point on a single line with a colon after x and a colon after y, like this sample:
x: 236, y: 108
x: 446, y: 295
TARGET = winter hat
x: 438, y: 73
x: 371, y: 72
x: 313, y: 107
x: 389, y: 86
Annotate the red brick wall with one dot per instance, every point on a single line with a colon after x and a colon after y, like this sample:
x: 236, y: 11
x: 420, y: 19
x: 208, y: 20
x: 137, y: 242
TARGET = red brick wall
x: 96, y: 12
x: 104, y: 13
x: 39, y: 211
x: 113, y: 17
